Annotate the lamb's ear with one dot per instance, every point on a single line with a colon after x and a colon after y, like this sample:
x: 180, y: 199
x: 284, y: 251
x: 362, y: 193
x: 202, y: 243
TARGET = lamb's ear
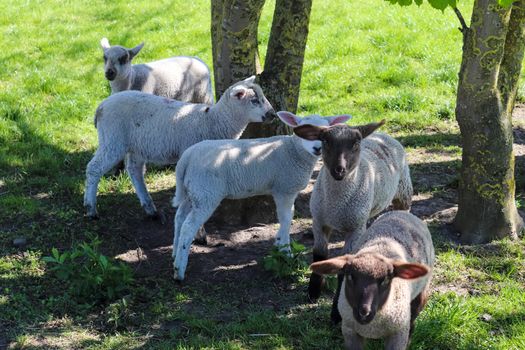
x: 309, y: 132
x: 238, y: 91
x: 339, y: 119
x: 134, y: 51
x: 249, y: 80
x: 331, y: 266
x: 409, y: 271
x: 289, y: 118
x: 367, y: 129
x: 104, y: 43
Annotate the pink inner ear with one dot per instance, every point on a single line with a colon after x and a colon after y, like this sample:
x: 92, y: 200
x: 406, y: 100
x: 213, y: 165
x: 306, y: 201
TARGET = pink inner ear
x: 340, y: 119
x: 240, y: 94
x: 288, y: 118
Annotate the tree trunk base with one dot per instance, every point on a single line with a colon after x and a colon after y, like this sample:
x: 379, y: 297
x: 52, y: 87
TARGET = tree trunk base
x: 475, y: 231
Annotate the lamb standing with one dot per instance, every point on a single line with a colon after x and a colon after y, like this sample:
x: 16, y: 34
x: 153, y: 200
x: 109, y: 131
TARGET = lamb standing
x: 211, y: 171
x: 361, y: 176
x: 386, y: 280
x: 182, y: 78
x: 147, y: 128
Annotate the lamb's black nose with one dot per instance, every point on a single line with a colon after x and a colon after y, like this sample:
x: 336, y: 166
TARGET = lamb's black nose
x: 317, y: 150
x: 110, y: 74
x: 339, y: 169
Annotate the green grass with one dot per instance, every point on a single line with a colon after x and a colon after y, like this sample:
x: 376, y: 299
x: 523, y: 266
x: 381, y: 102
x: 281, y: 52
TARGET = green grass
x: 370, y: 59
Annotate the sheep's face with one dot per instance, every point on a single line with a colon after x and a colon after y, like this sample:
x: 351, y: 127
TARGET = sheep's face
x: 312, y: 146
x: 249, y: 98
x: 117, y: 60
x: 341, y: 145
x: 368, y: 280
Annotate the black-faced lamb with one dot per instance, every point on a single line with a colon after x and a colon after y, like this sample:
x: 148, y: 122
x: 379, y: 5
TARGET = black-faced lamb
x: 386, y: 280
x: 146, y: 128
x: 363, y: 173
x: 211, y: 171
x: 181, y: 78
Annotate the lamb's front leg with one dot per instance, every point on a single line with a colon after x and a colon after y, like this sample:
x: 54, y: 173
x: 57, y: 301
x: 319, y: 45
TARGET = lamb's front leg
x: 285, y: 208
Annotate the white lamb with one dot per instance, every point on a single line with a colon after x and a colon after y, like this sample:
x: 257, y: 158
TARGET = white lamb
x: 210, y: 171
x: 182, y: 78
x: 362, y: 174
x: 386, y: 280
x: 147, y: 128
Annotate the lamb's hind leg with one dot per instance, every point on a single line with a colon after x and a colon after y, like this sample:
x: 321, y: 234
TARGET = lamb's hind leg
x: 136, y: 169
x: 102, y: 162
x: 320, y: 252
x: 403, y: 197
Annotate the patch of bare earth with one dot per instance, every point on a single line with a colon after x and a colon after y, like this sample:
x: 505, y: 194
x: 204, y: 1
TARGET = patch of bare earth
x: 233, y: 254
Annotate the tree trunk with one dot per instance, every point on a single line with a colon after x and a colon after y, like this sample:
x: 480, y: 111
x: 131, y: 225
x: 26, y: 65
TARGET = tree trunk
x: 490, y: 68
x: 235, y: 57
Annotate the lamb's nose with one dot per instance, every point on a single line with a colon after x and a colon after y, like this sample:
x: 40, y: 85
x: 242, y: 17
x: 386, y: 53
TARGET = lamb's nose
x: 339, y: 169
x: 317, y: 150
x: 364, y: 311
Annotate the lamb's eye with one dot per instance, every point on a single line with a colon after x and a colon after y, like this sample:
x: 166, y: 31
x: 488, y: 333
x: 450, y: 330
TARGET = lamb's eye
x: 105, y: 58
x: 384, y: 282
x: 123, y: 59
x: 255, y: 101
x: 355, y: 146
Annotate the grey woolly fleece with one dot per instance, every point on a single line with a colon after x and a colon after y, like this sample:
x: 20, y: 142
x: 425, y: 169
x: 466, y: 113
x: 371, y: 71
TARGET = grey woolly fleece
x: 397, y: 235
x: 381, y: 176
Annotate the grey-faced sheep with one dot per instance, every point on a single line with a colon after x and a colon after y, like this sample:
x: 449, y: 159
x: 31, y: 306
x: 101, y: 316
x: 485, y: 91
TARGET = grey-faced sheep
x: 386, y: 280
x: 210, y: 171
x: 181, y: 78
x: 362, y: 174
x: 146, y: 128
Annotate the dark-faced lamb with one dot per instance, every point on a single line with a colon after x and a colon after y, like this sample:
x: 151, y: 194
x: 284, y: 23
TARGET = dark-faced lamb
x: 363, y: 173
x: 146, y: 128
x: 386, y: 280
x: 211, y: 171
x: 181, y: 78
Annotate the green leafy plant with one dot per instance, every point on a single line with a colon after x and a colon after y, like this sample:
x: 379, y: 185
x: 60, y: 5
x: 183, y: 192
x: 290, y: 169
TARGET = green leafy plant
x: 90, y: 275
x: 284, y: 265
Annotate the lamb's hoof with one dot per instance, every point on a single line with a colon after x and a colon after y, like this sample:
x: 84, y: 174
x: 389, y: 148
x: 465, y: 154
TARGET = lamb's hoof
x: 201, y: 240
x: 92, y: 215
x: 157, y: 216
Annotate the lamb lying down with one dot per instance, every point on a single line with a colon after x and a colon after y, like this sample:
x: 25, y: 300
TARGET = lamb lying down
x: 386, y: 280
x: 212, y: 170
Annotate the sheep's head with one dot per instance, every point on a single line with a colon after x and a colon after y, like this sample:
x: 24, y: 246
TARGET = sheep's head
x: 341, y: 145
x: 368, y: 279
x: 117, y: 59
x: 246, y: 96
x: 313, y: 146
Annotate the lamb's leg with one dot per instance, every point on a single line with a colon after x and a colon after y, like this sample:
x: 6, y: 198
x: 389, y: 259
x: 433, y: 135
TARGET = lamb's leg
x: 195, y: 219
x: 285, y: 207
x: 180, y: 216
x: 350, y: 237
x: 136, y: 169
x: 320, y: 252
x: 398, y: 341
x: 416, y: 306
x: 103, y: 161
x: 403, y: 197
x: 353, y: 341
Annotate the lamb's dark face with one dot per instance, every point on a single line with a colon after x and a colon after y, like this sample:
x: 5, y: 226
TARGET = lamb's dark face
x: 368, y: 280
x: 341, y: 150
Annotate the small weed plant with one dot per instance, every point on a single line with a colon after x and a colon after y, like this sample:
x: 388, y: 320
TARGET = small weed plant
x: 282, y: 264
x: 90, y: 275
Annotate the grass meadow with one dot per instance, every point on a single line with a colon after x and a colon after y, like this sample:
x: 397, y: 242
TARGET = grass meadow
x: 370, y: 59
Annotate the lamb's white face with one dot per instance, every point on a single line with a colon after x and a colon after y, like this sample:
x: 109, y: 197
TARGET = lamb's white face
x: 312, y: 147
x: 117, y: 60
x: 249, y: 97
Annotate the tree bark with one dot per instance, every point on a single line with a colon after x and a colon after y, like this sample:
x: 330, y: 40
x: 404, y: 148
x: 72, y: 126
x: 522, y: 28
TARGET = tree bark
x: 486, y: 91
x: 235, y: 56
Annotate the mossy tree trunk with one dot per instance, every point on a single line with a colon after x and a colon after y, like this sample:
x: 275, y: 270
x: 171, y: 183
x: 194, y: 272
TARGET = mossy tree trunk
x: 490, y: 69
x: 235, y: 57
